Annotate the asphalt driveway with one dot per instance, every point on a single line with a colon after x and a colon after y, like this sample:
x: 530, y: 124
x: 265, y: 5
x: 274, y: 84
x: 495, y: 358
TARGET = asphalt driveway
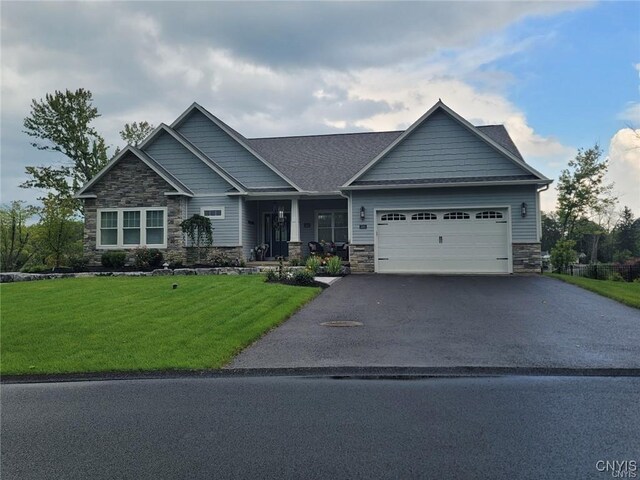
x: 453, y: 321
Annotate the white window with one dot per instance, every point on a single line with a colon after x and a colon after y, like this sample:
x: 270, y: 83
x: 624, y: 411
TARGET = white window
x: 132, y: 227
x: 212, y: 213
x: 332, y: 226
x: 108, y: 228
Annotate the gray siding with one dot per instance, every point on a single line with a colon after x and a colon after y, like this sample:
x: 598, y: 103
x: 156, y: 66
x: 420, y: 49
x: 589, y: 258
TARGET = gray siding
x: 249, y: 227
x: 308, y: 210
x: 228, y: 153
x: 523, y: 229
x: 184, y: 165
x: 441, y: 148
x: 225, y: 233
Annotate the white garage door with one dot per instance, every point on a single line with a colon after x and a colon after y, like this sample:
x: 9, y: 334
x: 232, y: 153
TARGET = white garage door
x: 443, y: 241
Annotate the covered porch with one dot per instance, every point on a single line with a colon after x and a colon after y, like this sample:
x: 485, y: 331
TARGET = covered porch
x: 286, y: 227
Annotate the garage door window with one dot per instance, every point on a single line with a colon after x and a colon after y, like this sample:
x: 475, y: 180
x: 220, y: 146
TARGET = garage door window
x: 456, y: 216
x: 424, y: 216
x: 488, y: 214
x: 393, y: 217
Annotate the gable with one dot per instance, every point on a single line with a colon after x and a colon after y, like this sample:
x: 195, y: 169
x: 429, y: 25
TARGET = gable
x: 441, y: 147
x: 127, y: 175
x: 185, y: 166
x: 227, y: 152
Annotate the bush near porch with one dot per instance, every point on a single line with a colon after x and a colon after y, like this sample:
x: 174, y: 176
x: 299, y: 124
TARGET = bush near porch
x: 138, y: 323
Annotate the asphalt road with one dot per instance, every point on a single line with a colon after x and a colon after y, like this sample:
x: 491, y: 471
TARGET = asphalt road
x: 320, y: 428
x: 453, y: 321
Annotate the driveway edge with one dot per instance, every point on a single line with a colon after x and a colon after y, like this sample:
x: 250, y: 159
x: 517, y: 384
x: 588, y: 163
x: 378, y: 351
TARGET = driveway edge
x: 332, y: 372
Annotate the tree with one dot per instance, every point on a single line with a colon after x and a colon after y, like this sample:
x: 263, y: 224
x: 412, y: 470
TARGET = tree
x: 62, y: 122
x: 563, y: 255
x: 551, y: 231
x: 58, y: 233
x: 198, y: 229
x: 14, y: 235
x: 134, y: 133
x: 581, y: 189
x: 626, y: 232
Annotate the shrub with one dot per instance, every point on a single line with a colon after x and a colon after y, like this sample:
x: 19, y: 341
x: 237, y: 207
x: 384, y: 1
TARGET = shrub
x: 148, y: 258
x: 295, y: 262
x: 271, y: 276
x: 36, y: 269
x: 334, y: 266
x: 113, y: 259
x: 616, y: 277
x: 563, y: 255
x: 313, y: 264
x: 218, y: 259
x: 78, y: 262
x: 303, y: 278
x: 637, y: 280
x: 174, y: 259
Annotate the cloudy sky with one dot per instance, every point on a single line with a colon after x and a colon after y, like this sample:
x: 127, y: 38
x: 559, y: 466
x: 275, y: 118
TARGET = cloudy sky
x: 558, y: 75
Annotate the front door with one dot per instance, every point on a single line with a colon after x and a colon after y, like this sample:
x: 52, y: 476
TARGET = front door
x: 276, y: 234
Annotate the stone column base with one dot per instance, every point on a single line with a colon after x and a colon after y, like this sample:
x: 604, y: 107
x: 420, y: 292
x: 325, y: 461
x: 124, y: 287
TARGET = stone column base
x: 526, y: 258
x: 361, y: 258
x: 295, y: 250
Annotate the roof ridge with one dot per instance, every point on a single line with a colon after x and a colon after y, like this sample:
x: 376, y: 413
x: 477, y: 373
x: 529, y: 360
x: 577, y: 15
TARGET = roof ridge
x: 323, y: 135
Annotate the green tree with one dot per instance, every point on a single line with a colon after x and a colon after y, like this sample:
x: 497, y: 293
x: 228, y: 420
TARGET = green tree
x: 15, y: 235
x: 551, y: 231
x: 627, y: 232
x: 58, y: 234
x: 581, y: 189
x: 563, y: 255
x: 63, y: 123
x: 198, y: 230
x: 134, y: 133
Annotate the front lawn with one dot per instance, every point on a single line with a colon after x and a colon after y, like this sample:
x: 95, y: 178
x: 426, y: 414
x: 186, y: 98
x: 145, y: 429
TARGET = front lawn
x: 624, y: 292
x: 137, y: 323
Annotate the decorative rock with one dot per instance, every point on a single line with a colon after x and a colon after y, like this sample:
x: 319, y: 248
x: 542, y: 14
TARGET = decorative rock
x: 184, y: 271
x: 160, y: 271
x: 207, y: 271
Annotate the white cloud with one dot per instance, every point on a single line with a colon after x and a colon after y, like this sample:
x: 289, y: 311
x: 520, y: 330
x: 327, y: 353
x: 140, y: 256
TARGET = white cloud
x: 624, y: 167
x: 631, y: 114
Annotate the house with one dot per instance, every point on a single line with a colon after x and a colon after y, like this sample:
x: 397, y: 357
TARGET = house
x: 442, y: 196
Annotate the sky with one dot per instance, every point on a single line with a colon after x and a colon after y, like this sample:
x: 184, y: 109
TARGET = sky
x: 559, y: 76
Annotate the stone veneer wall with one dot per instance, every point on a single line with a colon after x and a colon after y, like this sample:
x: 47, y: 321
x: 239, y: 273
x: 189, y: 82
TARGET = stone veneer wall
x: 233, y: 253
x: 526, y: 258
x: 361, y: 258
x: 295, y: 250
x: 131, y: 184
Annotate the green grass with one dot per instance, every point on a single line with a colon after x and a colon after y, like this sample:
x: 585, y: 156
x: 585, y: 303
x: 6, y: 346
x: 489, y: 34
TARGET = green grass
x: 623, y: 292
x: 135, y: 324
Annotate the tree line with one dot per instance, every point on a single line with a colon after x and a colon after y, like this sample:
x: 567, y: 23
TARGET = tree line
x: 50, y: 235
x: 588, y: 225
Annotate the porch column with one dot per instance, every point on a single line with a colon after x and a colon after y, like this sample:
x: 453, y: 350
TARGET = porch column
x: 295, y: 246
x: 295, y: 221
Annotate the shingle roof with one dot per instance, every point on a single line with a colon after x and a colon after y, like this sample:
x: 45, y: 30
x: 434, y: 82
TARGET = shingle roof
x: 323, y: 163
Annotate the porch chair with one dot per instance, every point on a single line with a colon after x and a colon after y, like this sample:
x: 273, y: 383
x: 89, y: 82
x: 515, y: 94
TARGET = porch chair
x: 315, y: 247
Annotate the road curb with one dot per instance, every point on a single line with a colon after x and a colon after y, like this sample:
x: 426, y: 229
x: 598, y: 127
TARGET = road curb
x: 331, y: 372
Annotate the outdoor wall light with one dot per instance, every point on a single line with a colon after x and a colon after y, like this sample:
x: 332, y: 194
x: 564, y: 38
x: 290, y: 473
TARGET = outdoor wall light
x: 281, y: 213
x: 362, y: 212
x: 523, y: 210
